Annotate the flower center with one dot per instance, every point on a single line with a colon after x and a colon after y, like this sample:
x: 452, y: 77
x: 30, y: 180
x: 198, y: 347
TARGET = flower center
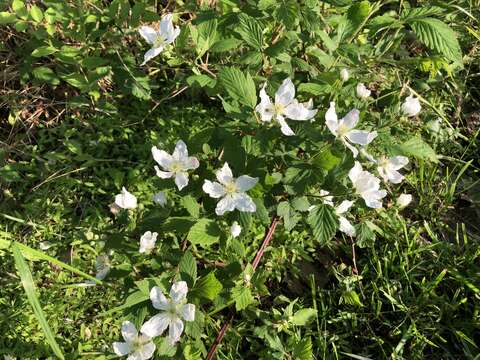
x: 159, y: 41
x: 176, y: 166
x: 138, y: 343
x: 383, y: 162
x: 278, y: 109
x: 231, y: 188
x: 342, y: 130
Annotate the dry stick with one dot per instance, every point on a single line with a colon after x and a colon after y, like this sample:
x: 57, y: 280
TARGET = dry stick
x: 256, y: 261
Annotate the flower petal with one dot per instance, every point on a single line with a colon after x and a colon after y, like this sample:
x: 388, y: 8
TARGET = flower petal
x: 214, y: 189
x: 343, y: 207
x: 265, y: 107
x: 126, y: 200
x: 191, y: 163
x: 224, y: 175
x: 245, y: 183
x: 188, y: 312
x: 159, y: 301
x: 147, y: 241
x: 298, y: 111
x: 355, y: 172
x: 162, y: 157
x: 394, y: 176
x: 285, y: 93
x: 361, y: 137
x: 178, y: 292
x: 352, y: 148
x: 163, y: 174
x: 243, y: 202
x: 121, y: 348
x: 235, y: 229
x: 181, y: 180
x: 225, y: 205
x: 156, y: 325
x: 346, y: 227
x: 146, y: 351
x: 331, y: 119
x: 351, y: 119
x: 284, y: 128
x: 398, y: 162
x: 148, y: 33
x: 175, y: 330
x: 129, y: 332
x: 181, y: 152
x: 150, y: 54
x: 372, y: 198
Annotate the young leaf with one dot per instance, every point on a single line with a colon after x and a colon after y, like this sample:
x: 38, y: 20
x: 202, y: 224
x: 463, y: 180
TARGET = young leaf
x: 205, y: 232
x: 242, y: 296
x: 324, y: 223
x: 288, y: 214
x: 239, y: 86
x: 303, y: 316
x: 208, y: 287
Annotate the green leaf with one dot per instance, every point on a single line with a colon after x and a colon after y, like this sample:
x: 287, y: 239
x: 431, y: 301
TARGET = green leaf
x: 205, y: 232
x: 188, y: 268
x: 208, y: 287
x: 225, y: 45
x: 239, y: 86
x: 250, y: 31
x: 303, y: 316
x: 46, y: 74
x: 324, y: 223
x: 189, y: 203
x: 314, y: 89
x: 420, y: 149
x: 43, y: 51
x: 288, y: 214
x: 326, y: 160
x: 303, y: 350
x: 36, y: 13
x: 437, y: 36
x: 242, y: 296
x: 288, y: 13
x: 7, y: 18
x: 365, y: 236
x: 29, y: 286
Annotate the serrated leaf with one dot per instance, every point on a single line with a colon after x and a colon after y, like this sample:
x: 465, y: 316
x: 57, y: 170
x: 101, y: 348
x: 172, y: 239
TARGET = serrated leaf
x: 420, y: 149
x: 205, y: 232
x: 365, y: 236
x: 225, y: 45
x: 239, y: 86
x: 250, y: 31
x: 288, y: 214
x: 324, y: 223
x: 303, y: 316
x: 303, y: 350
x: 188, y: 268
x: 242, y: 296
x: 208, y: 287
x: 437, y: 36
x: 288, y: 13
x: 192, y: 206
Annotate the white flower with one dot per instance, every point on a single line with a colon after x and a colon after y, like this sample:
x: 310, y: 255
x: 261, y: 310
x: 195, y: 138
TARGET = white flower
x: 137, y: 346
x: 147, y: 241
x: 102, y: 266
x: 362, y: 91
x: 235, y: 229
x: 367, y: 186
x: 173, y: 311
x: 176, y: 164
x: 126, y: 200
x: 387, y: 168
x: 160, y: 198
x: 285, y: 106
x: 404, y: 200
x: 166, y: 34
x: 344, y: 75
x: 411, y: 106
x: 345, y: 225
x: 231, y: 190
x: 344, y: 129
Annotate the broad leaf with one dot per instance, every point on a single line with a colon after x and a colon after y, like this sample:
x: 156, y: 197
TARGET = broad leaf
x: 324, y: 223
x: 239, y: 86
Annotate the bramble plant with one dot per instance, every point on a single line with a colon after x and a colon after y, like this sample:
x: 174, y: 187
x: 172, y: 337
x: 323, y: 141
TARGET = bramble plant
x: 263, y: 142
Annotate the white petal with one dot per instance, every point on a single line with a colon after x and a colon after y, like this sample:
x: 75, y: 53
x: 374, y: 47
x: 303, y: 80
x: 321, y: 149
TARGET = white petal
x: 351, y: 119
x: 147, y: 241
x: 150, y: 54
x: 344, y: 75
x: 156, y: 325
x: 163, y: 174
x: 285, y: 93
x: 148, y: 33
x: 159, y: 301
x: 175, y: 330
x: 224, y: 175
x: 188, y: 312
x: 225, y: 205
x: 129, y: 332
x: 284, y: 128
x: 362, y: 91
x: 126, y: 200
x: 214, y: 189
x: 180, y: 153
x: 146, y: 351
x: 298, y: 111
x: 331, y: 119
x: 181, y: 180
x: 235, y: 229
x: 190, y: 163
x: 162, y: 157
x: 136, y: 355
x: 373, y: 198
x: 343, y: 207
x: 352, y: 148
x: 398, y: 162
x: 265, y: 107
x: 354, y: 172
x: 167, y: 30
x: 243, y: 202
x: 361, y: 137
x: 346, y: 227
x: 178, y: 292
x: 403, y: 200
x: 411, y: 106
x: 121, y: 348
x: 245, y: 183
x: 326, y: 198
x: 395, y: 177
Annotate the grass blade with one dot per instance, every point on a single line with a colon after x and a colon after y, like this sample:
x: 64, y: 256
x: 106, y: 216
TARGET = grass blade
x: 29, y: 286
